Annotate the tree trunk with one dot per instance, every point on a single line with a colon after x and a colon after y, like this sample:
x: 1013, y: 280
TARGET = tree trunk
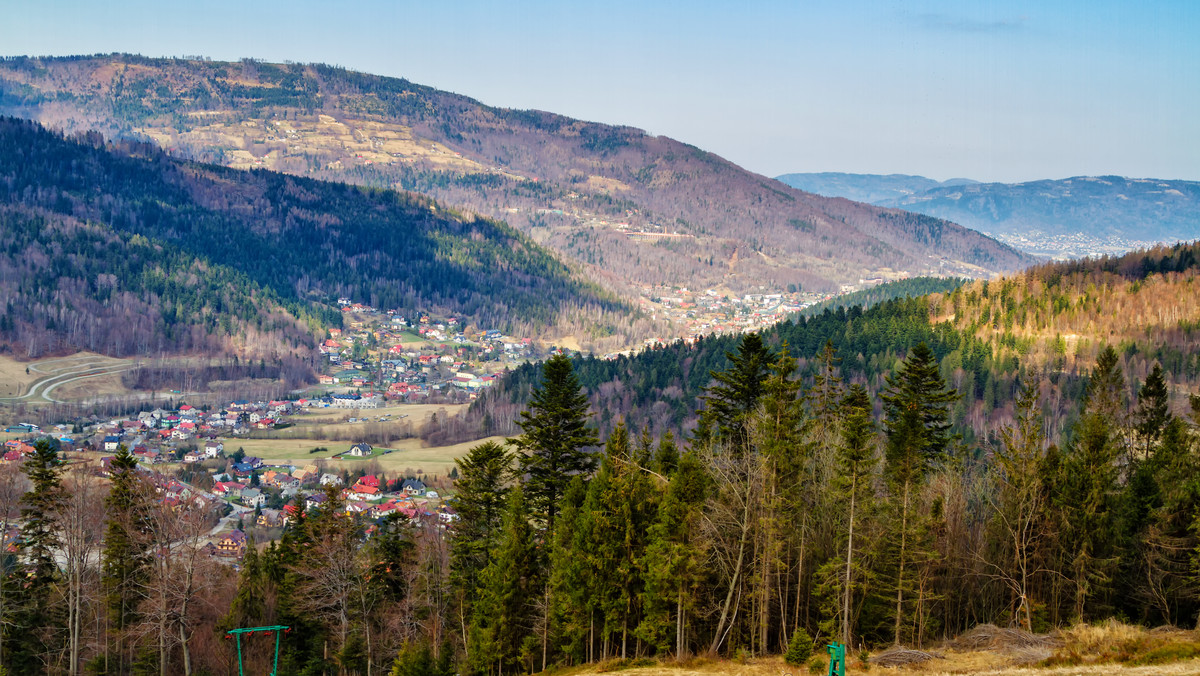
x: 849, y: 559
x: 900, y: 574
x: 737, y: 572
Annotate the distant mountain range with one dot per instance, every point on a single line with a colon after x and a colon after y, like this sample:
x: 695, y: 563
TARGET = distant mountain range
x: 1069, y: 217
x: 635, y: 210
x: 869, y: 188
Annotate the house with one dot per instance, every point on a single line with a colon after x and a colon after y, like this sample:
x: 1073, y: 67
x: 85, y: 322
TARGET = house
x: 271, y: 518
x: 252, y: 497
x: 360, y: 451
x: 213, y: 449
x: 413, y: 486
x: 360, y: 492
x: 331, y: 479
x: 229, y: 488
x: 111, y: 443
x: 232, y: 545
x: 314, y: 501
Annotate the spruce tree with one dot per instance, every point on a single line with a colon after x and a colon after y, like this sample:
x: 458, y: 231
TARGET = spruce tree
x: 125, y: 554
x: 731, y: 401
x: 39, y: 540
x: 856, y: 461
x: 502, y: 624
x: 480, y: 495
x: 554, y: 439
x: 917, y: 423
x: 673, y: 559
x: 1091, y: 487
x: 1152, y: 413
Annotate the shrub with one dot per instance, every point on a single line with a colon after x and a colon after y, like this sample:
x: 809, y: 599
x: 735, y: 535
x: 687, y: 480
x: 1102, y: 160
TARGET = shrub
x: 800, y: 648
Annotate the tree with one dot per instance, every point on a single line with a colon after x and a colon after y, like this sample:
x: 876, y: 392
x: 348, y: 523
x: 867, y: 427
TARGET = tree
x: 1090, y: 484
x: 480, y: 495
x: 41, y: 511
x: 1152, y: 412
x: 733, y: 398
x: 502, y: 626
x: 124, y: 556
x: 856, y: 459
x: 555, y: 436
x: 1016, y: 501
x: 673, y: 559
x: 917, y: 423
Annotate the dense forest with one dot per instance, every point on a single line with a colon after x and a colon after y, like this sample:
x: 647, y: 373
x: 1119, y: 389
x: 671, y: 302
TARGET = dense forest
x: 297, y: 242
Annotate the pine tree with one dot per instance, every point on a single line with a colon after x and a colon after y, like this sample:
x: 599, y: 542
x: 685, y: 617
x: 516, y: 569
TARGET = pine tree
x: 502, y: 625
x: 856, y: 461
x: 1091, y: 486
x: 39, y: 540
x: 125, y: 554
x: 555, y: 436
x: 673, y: 559
x: 733, y: 399
x: 481, y: 492
x: 917, y: 423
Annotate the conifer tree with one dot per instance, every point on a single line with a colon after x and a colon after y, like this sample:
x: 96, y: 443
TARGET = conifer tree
x: 502, y: 627
x: 856, y: 460
x: 39, y: 541
x: 673, y: 559
x: 1152, y: 413
x: 1091, y: 486
x: 917, y: 423
x: 555, y: 436
x: 733, y: 399
x: 124, y: 557
x: 481, y: 492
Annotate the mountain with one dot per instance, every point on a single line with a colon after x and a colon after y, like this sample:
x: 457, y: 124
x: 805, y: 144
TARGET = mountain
x: 869, y: 188
x: 1067, y: 218
x: 1078, y: 215
x: 99, y: 234
x: 637, y: 210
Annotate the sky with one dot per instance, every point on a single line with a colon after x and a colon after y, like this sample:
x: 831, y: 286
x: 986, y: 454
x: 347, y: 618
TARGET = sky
x: 1005, y: 90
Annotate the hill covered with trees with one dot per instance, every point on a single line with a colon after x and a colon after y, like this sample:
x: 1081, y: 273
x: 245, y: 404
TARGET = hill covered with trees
x: 636, y: 209
x: 103, y: 232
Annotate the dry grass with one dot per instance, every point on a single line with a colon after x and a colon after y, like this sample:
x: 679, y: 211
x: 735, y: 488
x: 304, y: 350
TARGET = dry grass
x: 13, y: 378
x: 987, y: 651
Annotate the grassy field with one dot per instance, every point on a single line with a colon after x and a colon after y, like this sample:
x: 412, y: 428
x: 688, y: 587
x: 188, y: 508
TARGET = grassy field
x: 404, y: 455
x: 13, y: 378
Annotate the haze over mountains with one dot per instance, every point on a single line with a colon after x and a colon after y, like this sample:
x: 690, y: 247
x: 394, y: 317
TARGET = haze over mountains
x: 1071, y: 217
x: 635, y: 209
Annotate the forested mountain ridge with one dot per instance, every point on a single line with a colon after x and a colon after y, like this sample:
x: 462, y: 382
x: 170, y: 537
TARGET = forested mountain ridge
x: 300, y: 241
x: 638, y: 209
x: 1054, y: 318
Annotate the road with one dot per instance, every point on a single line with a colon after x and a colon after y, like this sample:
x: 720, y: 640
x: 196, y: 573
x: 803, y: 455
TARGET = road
x: 66, y: 370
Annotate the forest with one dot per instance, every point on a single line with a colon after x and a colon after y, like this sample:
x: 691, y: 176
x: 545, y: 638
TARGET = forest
x: 297, y: 242
x: 799, y: 509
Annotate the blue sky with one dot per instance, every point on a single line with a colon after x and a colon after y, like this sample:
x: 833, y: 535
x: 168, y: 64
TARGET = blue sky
x: 1002, y: 90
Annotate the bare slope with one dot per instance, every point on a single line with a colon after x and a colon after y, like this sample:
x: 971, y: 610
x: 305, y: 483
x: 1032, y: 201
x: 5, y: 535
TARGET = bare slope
x: 639, y: 209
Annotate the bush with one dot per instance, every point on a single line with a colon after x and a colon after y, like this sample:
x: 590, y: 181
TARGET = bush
x: 800, y: 648
x: 817, y: 665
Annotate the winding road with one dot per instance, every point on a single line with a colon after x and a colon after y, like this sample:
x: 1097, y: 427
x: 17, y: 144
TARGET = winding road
x: 66, y: 370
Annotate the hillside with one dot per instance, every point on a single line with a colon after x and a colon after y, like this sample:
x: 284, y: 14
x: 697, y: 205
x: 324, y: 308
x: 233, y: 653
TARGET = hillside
x: 1054, y: 318
x: 1067, y: 218
x: 637, y: 209
x: 869, y: 188
x: 99, y: 232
